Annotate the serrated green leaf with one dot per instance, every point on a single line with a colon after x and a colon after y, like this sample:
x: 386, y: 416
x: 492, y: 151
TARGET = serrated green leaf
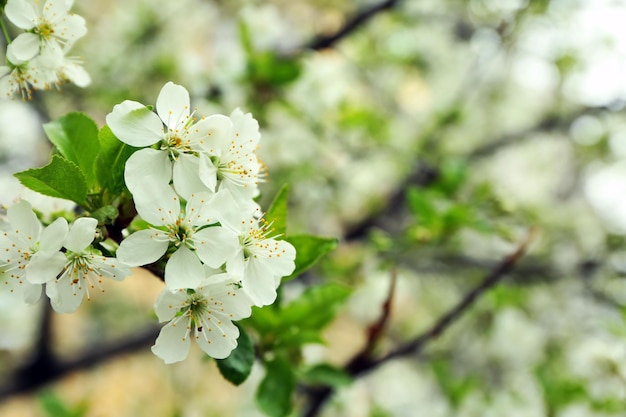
x: 316, y: 307
x: 60, y: 178
x: 275, y: 390
x: 111, y: 161
x: 420, y: 203
x: 326, y: 374
x: 277, y: 213
x: 309, y: 250
x: 238, y: 365
x: 75, y: 135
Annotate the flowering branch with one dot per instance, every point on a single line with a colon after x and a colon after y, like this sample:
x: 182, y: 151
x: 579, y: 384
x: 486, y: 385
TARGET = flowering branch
x: 362, y: 362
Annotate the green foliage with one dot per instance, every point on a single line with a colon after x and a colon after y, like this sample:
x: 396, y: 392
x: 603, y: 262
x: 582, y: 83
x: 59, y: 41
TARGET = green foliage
x: 274, y: 393
x: 267, y: 68
x: 53, y: 406
x: 237, y: 367
x: 325, y: 374
x: 60, y: 178
x: 309, y: 250
x: 75, y: 136
x: 111, y: 161
x: 300, y: 321
x: 277, y: 212
x: 454, y: 387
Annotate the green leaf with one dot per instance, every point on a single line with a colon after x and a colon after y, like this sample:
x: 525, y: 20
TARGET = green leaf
x: 309, y: 250
x: 75, y: 135
x: 420, y: 203
x: 111, y: 161
x: 316, y: 307
x: 60, y: 178
x: 274, y: 393
x: 277, y: 213
x: 54, y: 406
x: 326, y: 374
x: 238, y: 365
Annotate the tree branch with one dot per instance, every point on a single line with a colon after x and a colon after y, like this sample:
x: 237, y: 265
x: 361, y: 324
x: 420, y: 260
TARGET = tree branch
x: 38, y: 373
x: 362, y: 363
x: 358, y: 20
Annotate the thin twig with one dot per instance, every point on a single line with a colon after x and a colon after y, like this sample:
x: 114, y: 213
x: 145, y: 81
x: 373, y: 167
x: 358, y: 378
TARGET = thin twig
x: 358, y: 20
x: 360, y: 364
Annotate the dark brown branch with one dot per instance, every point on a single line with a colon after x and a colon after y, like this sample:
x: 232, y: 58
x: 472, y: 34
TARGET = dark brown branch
x: 358, y: 20
x: 39, y: 373
x: 361, y: 363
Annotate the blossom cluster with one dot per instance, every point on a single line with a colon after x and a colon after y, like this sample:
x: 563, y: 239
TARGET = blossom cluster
x: 60, y: 256
x: 38, y: 57
x: 193, y: 183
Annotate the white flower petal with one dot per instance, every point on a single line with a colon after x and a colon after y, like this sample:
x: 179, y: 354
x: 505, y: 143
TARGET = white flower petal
x: 246, y: 129
x: 25, y: 46
x: 173, y: 105
x: 143, y: 247
x: 53, y: 236
x: 135, y: 124
x: 259, y: 283
x: 45, y: 267
x: 21, y: 13
x: 81, y: 234
x: 159, y: 207
x: 32, y: 292
x: 173, y: 342
x: 215, y: 245
x: 186, y: 176
x: 207, y: 172
x: 214, y: 133
x: 76, y: 74
x: 72, y: 27
x: 200, y: 210
x: 168, y: 303
x: 24, y: 221
x: 65, y: 297
x: 147, y: 169
x: 217, y: 338
x: 183, y: 270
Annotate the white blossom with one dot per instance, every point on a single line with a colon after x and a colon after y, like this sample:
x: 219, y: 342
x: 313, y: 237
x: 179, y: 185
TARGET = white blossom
x: 45, y: 24
x: 83, y: 269
x: 206, y: 313
x: 189, y: 230
x: 181, y: 156
x: 24, y: 239
x: 261, y: 260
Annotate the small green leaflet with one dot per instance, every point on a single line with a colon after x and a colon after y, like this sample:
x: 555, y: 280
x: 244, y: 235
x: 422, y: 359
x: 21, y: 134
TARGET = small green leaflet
x: 75, y: 136
x: 60, y: 178
x: 277, y: 213
x: 274, y: 393
x: 238, y: 365
x: 326, y: 374
x: 111, y: 161
x: 309, y: 250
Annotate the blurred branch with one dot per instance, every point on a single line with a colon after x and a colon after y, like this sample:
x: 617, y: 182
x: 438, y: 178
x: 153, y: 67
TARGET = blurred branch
x: 548, y: 124
x: 363, y: 363
x: 358, y: 20
x: 45, y: 369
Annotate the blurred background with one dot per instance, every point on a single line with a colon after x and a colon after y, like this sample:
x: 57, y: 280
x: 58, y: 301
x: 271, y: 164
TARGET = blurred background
x: 429, y: 137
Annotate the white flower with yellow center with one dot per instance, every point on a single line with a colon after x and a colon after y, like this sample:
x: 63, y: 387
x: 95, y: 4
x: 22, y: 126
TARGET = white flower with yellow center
x: 261, y: 261
x: 83, y: 270
x: 204, y: 313
x: 236, y: 166
x: 180, y: 155
x: 24, y: 239
x: 189, y: 230
x: 46, y: 24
